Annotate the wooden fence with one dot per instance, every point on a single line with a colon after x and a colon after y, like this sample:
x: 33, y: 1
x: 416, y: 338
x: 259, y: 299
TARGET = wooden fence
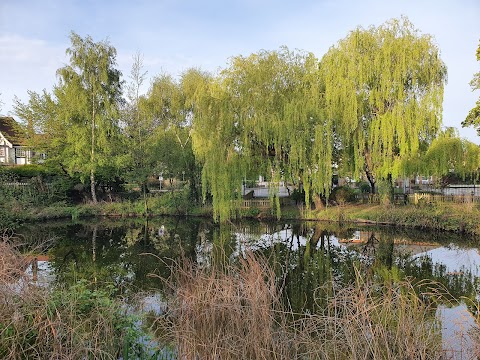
x: 264, y: 203
x: 398, y: 199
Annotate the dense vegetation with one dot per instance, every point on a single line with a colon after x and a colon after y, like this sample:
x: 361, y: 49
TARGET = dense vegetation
x: 370, y: 107
x: 316, y: 300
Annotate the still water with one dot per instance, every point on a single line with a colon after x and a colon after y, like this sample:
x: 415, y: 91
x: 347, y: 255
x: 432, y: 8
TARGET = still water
x: 134, y: 255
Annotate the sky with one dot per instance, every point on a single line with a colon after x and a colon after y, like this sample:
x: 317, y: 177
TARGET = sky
x: 175, y: 35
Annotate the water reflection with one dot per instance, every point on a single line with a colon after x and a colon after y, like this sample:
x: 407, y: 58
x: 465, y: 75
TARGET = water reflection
x: 305, y: 256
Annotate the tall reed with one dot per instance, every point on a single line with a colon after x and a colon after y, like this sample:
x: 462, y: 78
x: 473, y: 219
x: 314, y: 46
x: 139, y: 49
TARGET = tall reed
x: 235, y: 312
x: 226, y: 312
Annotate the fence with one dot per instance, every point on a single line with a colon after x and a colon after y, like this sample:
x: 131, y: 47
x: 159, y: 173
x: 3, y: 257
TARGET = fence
x: 421, y: 198
x: 428, y: 198
x: 263, y: 203
x: 398, y: 199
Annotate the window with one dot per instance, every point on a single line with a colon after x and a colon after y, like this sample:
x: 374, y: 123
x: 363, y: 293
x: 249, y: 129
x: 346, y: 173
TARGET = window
x: 2, y: 151
x: 19, y: 152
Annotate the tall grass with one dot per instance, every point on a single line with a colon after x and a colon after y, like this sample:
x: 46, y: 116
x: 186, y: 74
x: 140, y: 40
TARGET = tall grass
x: 222, y: 313
x: 235, y: 312
x: 75, y: 323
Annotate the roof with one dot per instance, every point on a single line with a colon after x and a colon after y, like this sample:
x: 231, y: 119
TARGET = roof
x: 12, y: 130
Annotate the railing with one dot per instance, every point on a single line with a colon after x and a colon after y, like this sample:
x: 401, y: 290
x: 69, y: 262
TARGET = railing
x: 16, y: 184
x: 258, y: 203
x: 398, y: 199
x: 264, y: 203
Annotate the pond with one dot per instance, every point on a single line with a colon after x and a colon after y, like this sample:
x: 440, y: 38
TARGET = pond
x: 134, y: 255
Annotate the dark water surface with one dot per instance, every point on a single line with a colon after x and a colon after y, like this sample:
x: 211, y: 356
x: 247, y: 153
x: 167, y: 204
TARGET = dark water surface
x: 125, y: 254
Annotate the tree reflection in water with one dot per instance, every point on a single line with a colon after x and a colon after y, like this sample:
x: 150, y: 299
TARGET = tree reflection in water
x: 311, y: 259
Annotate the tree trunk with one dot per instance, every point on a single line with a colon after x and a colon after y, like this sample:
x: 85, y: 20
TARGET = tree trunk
x: 317, y: 200
x: 391, y: 190
x: 371, y: 180
x: 92, y: 186
x: 145, y: 200
x: 92, y: 154
x: 368, y: 172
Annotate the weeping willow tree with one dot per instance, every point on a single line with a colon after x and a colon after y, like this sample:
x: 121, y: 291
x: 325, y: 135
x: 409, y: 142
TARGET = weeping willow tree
x: 449, y: 153
x: 384, y: 90
x: 263, y: 115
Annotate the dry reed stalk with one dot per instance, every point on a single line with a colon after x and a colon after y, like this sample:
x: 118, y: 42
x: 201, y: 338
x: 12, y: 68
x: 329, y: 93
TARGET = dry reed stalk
x: 235, y: 313
x: 38, y: 323
x: 228, y: 313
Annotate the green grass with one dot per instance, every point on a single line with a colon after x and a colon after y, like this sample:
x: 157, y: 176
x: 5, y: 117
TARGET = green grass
x: 446, y: 217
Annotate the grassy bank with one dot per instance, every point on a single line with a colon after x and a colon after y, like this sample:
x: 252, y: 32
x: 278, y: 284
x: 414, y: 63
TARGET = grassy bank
x: 461, y: 218
x: 14, y: 211
x: 446, y: 217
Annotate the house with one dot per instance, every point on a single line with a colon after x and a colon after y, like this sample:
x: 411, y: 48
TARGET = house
x: 13, y: 140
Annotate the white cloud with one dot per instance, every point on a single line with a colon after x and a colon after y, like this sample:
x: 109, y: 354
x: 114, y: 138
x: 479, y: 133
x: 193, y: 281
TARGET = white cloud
x: 27, y: 64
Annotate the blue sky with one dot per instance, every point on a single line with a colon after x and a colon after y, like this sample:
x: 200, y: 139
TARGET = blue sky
x: 176, y: 35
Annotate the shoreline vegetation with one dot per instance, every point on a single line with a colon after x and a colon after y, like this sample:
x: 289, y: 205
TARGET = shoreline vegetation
x: 459, y: 218
x: 226, y: 311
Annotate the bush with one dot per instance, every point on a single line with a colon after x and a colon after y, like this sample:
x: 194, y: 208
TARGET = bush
x: 25, y: 171
x: 34, y: 185
x: 172, y: 202
x: 73, y: 323
x: 364, y: 187
x: 343, y: 194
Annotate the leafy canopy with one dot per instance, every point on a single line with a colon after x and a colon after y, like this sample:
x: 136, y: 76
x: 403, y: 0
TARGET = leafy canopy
x: 262, y: 115
x: 384, y: 90
x: 473, y: 117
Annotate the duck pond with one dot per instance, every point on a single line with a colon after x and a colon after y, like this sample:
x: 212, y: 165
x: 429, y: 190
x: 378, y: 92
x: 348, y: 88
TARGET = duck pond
x: 134, y: 258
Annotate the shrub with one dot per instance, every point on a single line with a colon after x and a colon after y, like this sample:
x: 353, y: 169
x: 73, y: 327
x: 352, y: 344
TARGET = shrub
x: 73, y: 323
x: 364, y: 187
x: 172, y: 202
x: 25, y: 171
x: 343, y: 194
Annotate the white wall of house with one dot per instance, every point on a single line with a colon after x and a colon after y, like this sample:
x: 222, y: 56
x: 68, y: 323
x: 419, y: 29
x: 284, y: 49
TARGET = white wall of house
x: 22, y: 155
x: 10, y: 154
x: 5, y: 150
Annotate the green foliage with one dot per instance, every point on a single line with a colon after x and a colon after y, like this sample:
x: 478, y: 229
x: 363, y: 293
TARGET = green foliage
x: 173, y: 202
x: 251, y: 212
x: 473, y: 117
x: 72, y: 321
x: 364, y: 187
x: 33, y: 185
x: 259, y: 117
x: 343, y: 194
x: 79, y: 121
x: 447, y: 155
x: 373, y: 99
x: 384, y: 90
x: 25, y: 171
